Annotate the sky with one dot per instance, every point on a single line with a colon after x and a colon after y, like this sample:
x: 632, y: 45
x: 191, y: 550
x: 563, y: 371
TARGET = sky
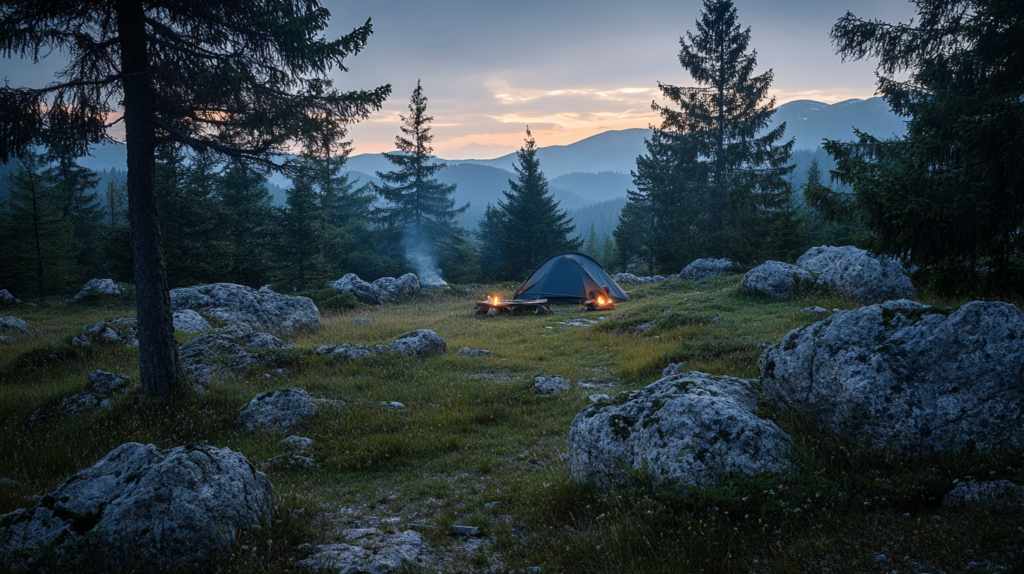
x: 568, y: 69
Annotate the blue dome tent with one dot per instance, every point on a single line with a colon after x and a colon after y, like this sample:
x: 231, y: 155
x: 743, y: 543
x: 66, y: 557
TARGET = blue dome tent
x: 568, y: 278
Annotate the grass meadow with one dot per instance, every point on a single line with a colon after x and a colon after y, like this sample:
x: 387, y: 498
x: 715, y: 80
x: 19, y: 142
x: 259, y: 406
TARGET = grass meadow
x: 473, y: 433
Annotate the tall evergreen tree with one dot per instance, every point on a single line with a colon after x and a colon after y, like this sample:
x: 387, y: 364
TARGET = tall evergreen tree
x: 591, y: 247
x: 301, y: 235
x: 79, y: 204
x: 952, y: 189
x: 490, y: 258
x: 717, y: 184
x: 37, y: 248
x: 533, y: 228
x: 248, y: 221
x: 244, y: 78
x: 115, y: 204
x: 418, y: 207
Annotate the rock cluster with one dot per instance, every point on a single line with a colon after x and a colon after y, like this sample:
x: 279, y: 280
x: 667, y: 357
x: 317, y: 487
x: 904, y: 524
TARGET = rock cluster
x: 226, y: 353
x: 370, y: 550
x: 549, y: 385
x: 296, y: 454
x: 776, y: 279
x: 854, y: 272
x: 908, y: 376
x: 383, y: 290
x: 188, y: 321
x: 420, y: 343
x: 702, y: 269
x: 99, y: 393
x: 277, y: 410
x: 118, y: 331
x: 174, y: 509
x: 691, y: 427
x: 7, y: 298
x: 101, y: 287
x: 630, y: 279
x: 248, y: 309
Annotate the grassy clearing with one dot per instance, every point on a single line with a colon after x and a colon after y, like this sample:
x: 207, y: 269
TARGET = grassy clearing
x: 465, y: 440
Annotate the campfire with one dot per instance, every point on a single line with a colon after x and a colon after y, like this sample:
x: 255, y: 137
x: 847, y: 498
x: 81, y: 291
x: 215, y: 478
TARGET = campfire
x: 495, y: 305
x: 598, y: 303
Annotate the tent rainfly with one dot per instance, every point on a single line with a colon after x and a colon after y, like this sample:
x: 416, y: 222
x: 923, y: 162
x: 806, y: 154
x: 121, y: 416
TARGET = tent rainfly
x: 569, y: 278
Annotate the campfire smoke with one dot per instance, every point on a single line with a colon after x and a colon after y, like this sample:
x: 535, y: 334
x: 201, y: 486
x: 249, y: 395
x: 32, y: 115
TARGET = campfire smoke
x: 420, y: 256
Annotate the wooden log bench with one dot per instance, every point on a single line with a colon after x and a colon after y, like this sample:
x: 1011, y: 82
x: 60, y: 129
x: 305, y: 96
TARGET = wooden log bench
x: 538, y: 307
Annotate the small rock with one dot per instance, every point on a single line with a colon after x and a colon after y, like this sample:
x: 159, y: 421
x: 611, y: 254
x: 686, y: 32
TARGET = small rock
x: 646, y: 326
x: 702, y: 269
x: 493, y: 504
x: 776, y: 279
x: 188, y: 321
x: 578, y: 323
x: 117, y: 331
x: 814, y: 310
x: 13, y: 325
x: 673, y: 369
x: 547, y: 385
x: 599, y: 397
x: 101, y: 286
x: 277, y: 410
x: 464, y: 530
x: 362, y: 321
x: 296, y: 443
x: 99, y: 393
x: 420, y: 343
x: 7, y: 298
x: 392, y: 404
x: 467, y: 352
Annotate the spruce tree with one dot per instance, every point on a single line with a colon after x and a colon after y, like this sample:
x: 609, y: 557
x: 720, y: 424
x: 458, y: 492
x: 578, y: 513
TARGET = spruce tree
x: 591, y: 247
x: 418, y: 208
x: 533, y: 228
x: 301, y: 235
x: 489, y: 235
x: 37, y: 248
x: 79, y: 204
x: 248, y: 223
x: 714, y: 180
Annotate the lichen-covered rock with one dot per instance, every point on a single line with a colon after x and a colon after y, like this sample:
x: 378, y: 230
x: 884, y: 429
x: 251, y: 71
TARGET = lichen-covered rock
x: 702, y: 269
x: 277, y: 410
x: 118, y: 331
x: 296, y: 454
x: 99, y: 393
x: 908, y: 376
x: 467, y: 352
x: 776, y: 279
x: 99, y: 286
x: 370, y: 550
x: 13, y: 325
x: 226, y: 353
x: 690, y: 427
x: 405, y: 286
x: 174, y: 509
x: 188, y: 321
x: 995, y: 492
x: 247, y: 308
x: 363, y: 292
x: 814, y: 311
x: 673, y: 369
x: 420, y: 343
x: 549, y: 385
x: 362, y: 321
x: 7, y: 298
x: 352, y: 352
x: 865, y: 277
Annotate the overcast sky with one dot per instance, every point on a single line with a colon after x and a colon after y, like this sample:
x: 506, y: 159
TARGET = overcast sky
x: 568, y: 68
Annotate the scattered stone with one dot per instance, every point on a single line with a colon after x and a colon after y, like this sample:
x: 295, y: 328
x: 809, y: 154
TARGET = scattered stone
x: 630, y: 279
x: 376, y: 553
x: 494, y: 504
x: 464, y: 530
x: 673, y: 369
x: 296, y: 454
x: 467, y: 352
x: 392, y: 404
x: 13, y: 325
x: 394, y: 289
x: 702, y: 269
x: 908, y: 376
x: 296, y: 443
x: 578, y: 323
x: 691, y: 427
x: 597, y: 383
x: 108, y: 333
x: 174, y: 509
x: 7, y: 298
x: 490, y: 376
x: 866, y: 277
x: 362, y: 321
x: 363, y: 292
x: 420, y: 343
x: 776, y: 279
x: 247, y: 309
x: 99, y: 393
x: 996, y: 492
x: 548, y: 385
x: 814, y: 310
x: 646, y: 326
x: 226, y: 353
x: 277, y: 410
x: 188, y: 321
x: 599, y: 397
x: 101, y: 287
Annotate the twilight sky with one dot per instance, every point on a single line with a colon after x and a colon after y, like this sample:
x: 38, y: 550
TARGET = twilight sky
x: 568, y: 68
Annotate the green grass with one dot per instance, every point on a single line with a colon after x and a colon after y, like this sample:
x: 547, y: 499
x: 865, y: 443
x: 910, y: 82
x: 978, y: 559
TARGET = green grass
x: 465, y: 441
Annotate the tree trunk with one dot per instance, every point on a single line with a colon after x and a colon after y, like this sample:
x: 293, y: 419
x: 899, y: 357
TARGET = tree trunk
x: 160, y: 368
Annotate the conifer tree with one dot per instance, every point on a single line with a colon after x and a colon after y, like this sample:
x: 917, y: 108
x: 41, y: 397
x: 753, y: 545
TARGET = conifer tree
x: 489, y: 234
x: 591, y: 247
x: 714, y: 180
x: 37, y: 250
x: 533, y: 228
x: 607, y: 251
x: 115, y: 204
x: 248, y: 221
x: 79, y: 204
x: 301, y: 235
x: 418, y: 207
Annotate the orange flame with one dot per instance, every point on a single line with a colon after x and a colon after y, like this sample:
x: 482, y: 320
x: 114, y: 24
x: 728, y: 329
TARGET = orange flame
x: 601, y: 301
x: 495, y: 299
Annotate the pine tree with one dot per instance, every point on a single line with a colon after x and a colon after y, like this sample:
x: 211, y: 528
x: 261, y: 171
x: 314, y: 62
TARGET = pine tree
x: 715, y: 184
x: 591, y: 247
x: 248, y: 221
x: 418, y: 206
x: 37, y: 250
x: 115, y: 204
x: 301, y: 235
x: 607, y: 251
x: 489, y: 234
x: 79, y: 204
x: 533, y: 228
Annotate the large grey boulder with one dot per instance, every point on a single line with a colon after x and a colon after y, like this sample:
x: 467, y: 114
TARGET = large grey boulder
x: 174, y: 509
x: 702, y: 269
x: 100, y: 286
x: 277, y: 410
x: 99, y: 393
x: 865, y: 277
x: 908, y: 376
x: 776, y: 279
x: 421, y: 343
x: 691, y: 427
x: 13, y: 325
x: 363, y: 292
x: 226, y: 353
x: 188, y: 321
x: 6, y: 297
x: 246, y: 308
x: 119, y: 331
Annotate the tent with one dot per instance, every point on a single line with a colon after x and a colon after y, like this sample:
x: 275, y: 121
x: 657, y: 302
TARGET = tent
x: 568, y: 278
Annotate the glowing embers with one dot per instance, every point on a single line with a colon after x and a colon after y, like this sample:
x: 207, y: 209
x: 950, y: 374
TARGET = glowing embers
x: 495, y: 305
x: 598, y: 301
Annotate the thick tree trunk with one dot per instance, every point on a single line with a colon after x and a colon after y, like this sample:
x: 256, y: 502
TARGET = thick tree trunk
x: 160, y: 366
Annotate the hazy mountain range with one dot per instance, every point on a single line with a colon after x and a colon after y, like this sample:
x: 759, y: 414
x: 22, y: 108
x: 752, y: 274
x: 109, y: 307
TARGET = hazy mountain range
x: 588, y: 175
